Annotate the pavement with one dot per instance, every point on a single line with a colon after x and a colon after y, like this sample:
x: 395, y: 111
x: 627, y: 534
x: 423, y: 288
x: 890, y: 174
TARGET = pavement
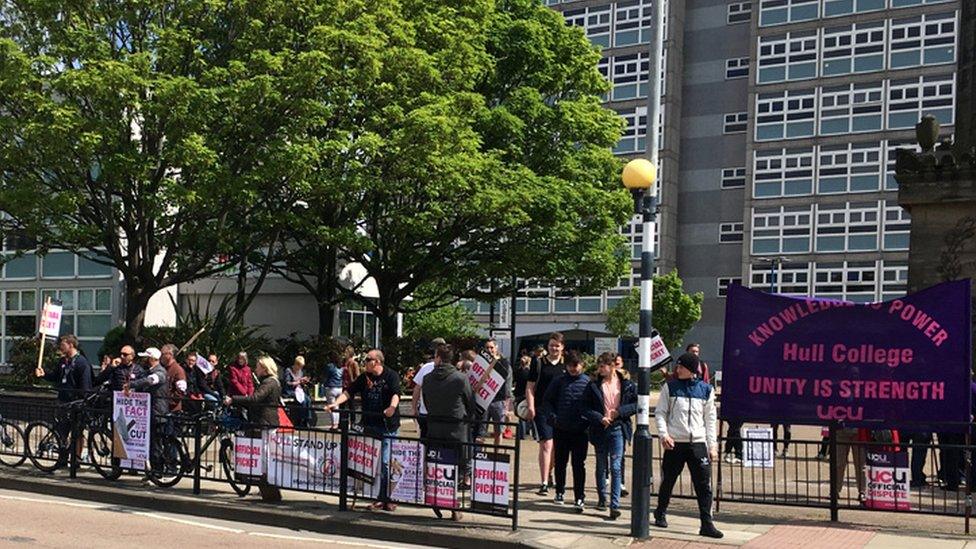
x: 47, y: 521
x: 542, y: 524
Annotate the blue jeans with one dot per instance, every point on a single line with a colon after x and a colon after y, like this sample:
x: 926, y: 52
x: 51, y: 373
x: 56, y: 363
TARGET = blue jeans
x: 385, y: 456
x: 611, y: 453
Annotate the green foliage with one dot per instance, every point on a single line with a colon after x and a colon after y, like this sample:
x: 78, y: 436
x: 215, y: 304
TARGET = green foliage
x: 450, y: 322
x: 675, y: 312
x: 160, y: 134
x: 23, y: 359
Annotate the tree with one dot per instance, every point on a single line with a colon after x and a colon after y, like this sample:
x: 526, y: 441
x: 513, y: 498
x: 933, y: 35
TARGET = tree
x: 450, y: 322
x: 157, y: 137
x: 490, y: 158
x: 674, y: 311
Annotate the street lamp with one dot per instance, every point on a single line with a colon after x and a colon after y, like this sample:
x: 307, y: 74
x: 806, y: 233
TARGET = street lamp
x: 775, y: 263
x: 640, y: 177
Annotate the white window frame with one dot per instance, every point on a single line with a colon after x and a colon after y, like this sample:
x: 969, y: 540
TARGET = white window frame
x: 731, y: 233
x: 852, y: 103
x: 919, y: 96
x: 736, y: 10
x: 788, y: 51
x: 734, y: 178
x: 897, y: 222
x: 784, y: 167
x: 787, y: 109
x: 846, y: 221
x: 856, y: 42
x: 737, y: 67
x: 779, y: 225
x: 733, y: 121
x: 849, y: 161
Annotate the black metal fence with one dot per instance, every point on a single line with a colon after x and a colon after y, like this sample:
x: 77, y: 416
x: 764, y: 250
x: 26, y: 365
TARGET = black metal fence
x: 216, y: 444
x: 832, y: 473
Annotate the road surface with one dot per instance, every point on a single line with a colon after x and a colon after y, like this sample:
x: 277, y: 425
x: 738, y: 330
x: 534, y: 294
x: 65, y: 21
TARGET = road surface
x: 30, y: 520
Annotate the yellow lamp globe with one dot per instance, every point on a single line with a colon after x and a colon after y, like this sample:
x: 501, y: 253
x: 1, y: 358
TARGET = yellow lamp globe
x: 640, y: 174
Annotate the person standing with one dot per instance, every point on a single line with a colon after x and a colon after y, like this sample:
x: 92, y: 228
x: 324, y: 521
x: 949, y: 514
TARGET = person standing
x: 495, y: 414
x: 332, y: 381
x: 419, y: 408
x: 118, y: 370
x: 379, y: 388
x: 240, y: 378
x: 262, y: 405
x: 294, y: 387
x: 151, y: 378
x: 704, y: 372
x: 565, y: 401
x: 686, y: 424
x: 544, y: 370
x: 611, y: 399
x: 521, y: 380
x: 618, y: 365
x: 73, y: 375
x: 176, y: 376
x: 451, y: 404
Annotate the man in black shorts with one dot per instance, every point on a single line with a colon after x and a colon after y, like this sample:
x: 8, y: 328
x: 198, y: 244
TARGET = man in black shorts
x: 542, y: 373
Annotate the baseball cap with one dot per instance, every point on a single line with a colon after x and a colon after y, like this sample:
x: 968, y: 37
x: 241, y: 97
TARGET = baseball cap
x: 151, y: 352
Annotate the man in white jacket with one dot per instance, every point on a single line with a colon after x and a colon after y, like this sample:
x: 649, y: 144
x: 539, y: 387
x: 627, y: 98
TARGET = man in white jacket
x: 686, y: 424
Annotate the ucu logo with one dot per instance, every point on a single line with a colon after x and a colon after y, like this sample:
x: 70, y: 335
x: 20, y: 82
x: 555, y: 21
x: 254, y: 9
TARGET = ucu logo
x: 840, y: 412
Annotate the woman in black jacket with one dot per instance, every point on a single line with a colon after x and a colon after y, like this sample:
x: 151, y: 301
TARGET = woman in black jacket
x: 609, y: 402
x: 262, y: 410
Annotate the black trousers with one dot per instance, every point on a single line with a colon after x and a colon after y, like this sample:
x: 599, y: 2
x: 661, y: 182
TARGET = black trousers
x: 733, y: 439
x: 566, y: 443
x: 695, y: 455
x: 787, y: 435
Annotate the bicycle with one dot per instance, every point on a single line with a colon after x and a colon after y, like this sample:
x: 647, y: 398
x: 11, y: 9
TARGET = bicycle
x: 226, y: 423
x: 170, y: 462
x: 12, y: 438
x: 46, y: 442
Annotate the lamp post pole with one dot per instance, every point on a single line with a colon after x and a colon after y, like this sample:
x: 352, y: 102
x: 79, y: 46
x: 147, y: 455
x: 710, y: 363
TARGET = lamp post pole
x: 639, y: 521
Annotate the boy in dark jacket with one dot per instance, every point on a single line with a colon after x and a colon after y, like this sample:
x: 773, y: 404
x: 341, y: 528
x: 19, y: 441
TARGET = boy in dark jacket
x: 564, y: 398
x: 611, y: 399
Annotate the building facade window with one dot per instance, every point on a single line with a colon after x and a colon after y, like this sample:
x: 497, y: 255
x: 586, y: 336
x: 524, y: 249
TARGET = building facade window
x: 853, y: 49
x: 897, y: 224
x: 792, y: 278
x: 778, y: 12
x: 847, y: 280
x: 634, y: 137
x: 850, y: 227
x: 924, y: 40
x: 852, y: 108
x: 850, y: 168
x: 736, y: 68
x: 835, y: 8
x: 786, y: 115
x: 791, y: 56
x: 724, y: 283
x: 629, y: 76
x: 737, y: 122
x: 730, y: 232
x: 739, y: 12
x: 894, y: 280
x: 733, y: 178
x: 909, y: 100
x: 784, y: 230
x: 783, y: 172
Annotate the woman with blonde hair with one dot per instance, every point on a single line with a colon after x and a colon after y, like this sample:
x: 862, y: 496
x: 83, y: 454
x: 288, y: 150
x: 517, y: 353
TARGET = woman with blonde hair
x: 262, y: 409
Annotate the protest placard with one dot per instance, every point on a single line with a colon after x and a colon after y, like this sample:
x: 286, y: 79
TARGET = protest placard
x: 492, y: 482
x: 130, y: 428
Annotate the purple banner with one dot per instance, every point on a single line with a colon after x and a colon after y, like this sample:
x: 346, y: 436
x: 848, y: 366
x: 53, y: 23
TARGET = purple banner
x: 896, y: 364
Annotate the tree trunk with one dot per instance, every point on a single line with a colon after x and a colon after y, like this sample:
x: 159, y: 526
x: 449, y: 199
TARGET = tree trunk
x: 326, y: 319
x: 389, y: 342
x: 136, y: 301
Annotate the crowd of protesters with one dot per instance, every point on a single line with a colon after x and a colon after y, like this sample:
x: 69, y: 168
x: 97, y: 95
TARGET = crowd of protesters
x: 547, y: 392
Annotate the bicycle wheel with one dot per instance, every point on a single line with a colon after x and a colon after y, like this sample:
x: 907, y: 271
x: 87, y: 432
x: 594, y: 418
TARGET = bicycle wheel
x: 100, y: 453
x: 13, y: 445
x: 168, y: 462
x: 241, y: 486
x: 46, y: 447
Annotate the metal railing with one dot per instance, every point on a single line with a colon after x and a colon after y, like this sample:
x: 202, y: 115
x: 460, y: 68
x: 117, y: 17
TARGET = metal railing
x: 830, y: 474
x: 344, y: 460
